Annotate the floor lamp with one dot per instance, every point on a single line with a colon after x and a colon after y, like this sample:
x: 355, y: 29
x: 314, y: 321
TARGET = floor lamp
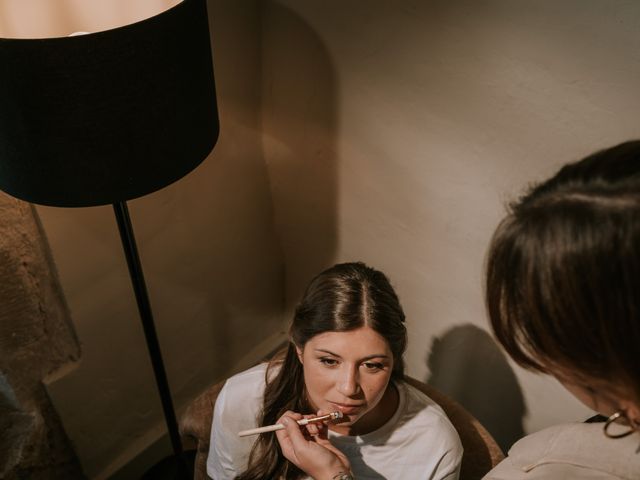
x: 105, y: 117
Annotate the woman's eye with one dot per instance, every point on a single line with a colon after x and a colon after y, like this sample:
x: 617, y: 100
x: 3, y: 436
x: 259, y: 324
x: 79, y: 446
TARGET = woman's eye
x: 330, y: 362
x: 373, y: 366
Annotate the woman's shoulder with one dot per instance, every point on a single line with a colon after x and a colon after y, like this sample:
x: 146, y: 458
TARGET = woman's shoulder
x: 247, y: 384
x: 572, y: 450
x: 421, y: 412
x: 240, y: 399
x: 236, y: 409
x: 249, y: 375
x: 417, y: 400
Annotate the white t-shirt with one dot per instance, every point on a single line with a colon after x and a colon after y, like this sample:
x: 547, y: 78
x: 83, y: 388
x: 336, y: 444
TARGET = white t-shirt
x: 417, y: 443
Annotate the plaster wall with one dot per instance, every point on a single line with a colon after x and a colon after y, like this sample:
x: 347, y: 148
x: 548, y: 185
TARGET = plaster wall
x: 397, y: 130
x: 210, y: 254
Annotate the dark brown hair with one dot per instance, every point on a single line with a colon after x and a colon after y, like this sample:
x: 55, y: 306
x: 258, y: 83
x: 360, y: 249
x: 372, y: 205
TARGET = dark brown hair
x: 563, y: 271
x: 344, y: 297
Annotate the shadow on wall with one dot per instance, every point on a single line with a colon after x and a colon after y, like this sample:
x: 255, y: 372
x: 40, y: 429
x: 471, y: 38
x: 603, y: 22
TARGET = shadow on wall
x: 300, y: 128
x: 467, y: 364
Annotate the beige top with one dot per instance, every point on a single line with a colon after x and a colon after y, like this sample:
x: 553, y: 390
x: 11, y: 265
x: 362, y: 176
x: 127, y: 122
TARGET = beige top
x: 572, y: 451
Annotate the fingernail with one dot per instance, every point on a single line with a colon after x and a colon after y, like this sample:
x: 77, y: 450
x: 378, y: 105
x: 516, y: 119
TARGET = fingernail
x: 285, y: 421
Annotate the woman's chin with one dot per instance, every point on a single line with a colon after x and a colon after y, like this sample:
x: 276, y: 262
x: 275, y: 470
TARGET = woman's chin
x: 345, y: 422
x: 348, y: 420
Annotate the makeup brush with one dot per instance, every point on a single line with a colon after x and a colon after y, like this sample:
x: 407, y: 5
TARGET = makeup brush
x: 279, y: 426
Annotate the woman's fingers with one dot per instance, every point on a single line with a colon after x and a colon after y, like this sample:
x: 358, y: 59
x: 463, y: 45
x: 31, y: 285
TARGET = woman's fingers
x: 294, y: 432
x: 311, y: 453
x: 284, y: 437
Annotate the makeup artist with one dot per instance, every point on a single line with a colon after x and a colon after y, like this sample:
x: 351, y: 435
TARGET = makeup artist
x: 345, y: 355
x: 563, y: 296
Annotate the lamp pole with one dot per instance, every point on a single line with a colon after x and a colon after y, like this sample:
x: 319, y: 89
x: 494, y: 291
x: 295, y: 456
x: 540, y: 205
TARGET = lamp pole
x: 144, y: 307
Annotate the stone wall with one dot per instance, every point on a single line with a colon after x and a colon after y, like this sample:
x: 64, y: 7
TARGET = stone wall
x: 37, y: 341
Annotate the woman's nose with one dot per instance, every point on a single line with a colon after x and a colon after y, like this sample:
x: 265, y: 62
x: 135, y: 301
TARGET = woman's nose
x: 348, y: 384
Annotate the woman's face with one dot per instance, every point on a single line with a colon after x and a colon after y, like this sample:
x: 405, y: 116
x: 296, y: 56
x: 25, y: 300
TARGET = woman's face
x: 349, y: 372
x: 591, y: 396
x: 603, y: 397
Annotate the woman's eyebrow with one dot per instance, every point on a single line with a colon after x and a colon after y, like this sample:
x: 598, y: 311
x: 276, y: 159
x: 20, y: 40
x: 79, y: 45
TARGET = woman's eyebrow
x: 368, y: 357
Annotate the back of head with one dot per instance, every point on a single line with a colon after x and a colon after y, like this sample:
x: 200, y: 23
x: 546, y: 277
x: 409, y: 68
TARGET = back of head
x: 563, y: 270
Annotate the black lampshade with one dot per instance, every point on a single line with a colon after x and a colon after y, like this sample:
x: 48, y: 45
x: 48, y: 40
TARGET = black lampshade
x: 107, y: 116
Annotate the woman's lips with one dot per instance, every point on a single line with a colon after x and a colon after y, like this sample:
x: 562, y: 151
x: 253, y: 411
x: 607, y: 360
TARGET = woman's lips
x: 346, y: 409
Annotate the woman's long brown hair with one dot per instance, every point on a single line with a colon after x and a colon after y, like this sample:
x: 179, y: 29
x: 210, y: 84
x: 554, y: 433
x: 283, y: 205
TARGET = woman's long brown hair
x: 345, y: 297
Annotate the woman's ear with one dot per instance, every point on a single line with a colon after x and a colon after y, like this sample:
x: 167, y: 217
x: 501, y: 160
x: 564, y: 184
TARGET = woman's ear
x: 629, y: 406
x: 632, y: 412
x: 299, y: 353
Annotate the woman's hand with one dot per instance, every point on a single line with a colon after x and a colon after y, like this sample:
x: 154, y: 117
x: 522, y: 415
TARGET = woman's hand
x: 309, y: 448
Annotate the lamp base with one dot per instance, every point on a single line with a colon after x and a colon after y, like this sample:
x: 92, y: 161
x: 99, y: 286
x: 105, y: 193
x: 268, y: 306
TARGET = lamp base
x: 173, y: 468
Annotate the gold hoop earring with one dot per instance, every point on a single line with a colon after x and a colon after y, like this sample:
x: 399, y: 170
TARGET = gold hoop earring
x: 611, y: 420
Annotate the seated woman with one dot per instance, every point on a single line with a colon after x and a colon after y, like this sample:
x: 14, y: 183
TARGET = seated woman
x: 563, y: 294
x: 347, y: 342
